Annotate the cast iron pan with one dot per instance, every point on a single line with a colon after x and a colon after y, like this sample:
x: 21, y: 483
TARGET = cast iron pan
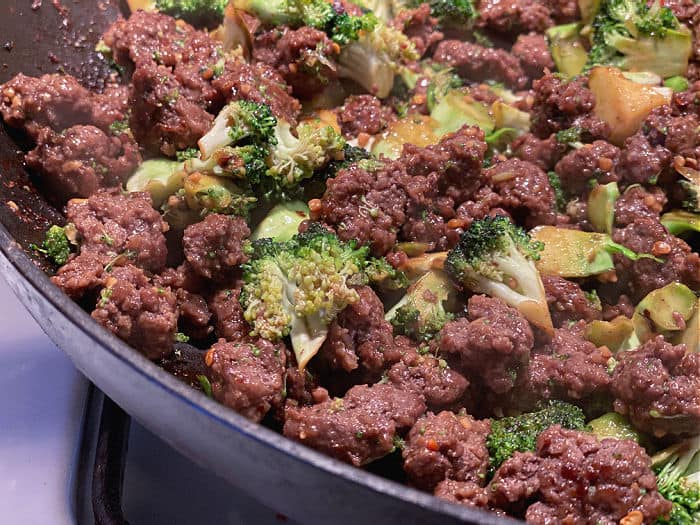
x: 59, y: 36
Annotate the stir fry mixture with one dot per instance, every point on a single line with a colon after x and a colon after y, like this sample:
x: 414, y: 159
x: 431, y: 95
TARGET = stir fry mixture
x: 450, y: 237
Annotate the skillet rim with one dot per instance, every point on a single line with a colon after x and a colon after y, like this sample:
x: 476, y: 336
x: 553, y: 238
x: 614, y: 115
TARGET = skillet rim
x: 221, y: 415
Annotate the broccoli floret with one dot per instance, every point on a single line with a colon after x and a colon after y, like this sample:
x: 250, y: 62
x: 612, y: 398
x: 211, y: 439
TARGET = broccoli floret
x: 442, y: 81
x: 240, y: 121
x: 375, y: 58
x: 519, y: 433
x: 351, y: 155
x: 678, y: 480
x: 691, y: 184
x: 451, y: 13
x: 207, y: 13
x: 298, y: 287
x: 211, y: 194
x: 56, y: 245
x: 382, y: 274
x: 385, y: 10
x: 571, y: 137
x: 422, y: 312
x: 186, y: 154
x: 497, y: 258
x: 560, y: 196
x: 293, y: 159
x: 239, y: 162
x: 632, y: 35
x: 344, y: 28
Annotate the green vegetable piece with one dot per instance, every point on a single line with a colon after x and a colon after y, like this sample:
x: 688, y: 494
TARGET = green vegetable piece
x: 457, y: 109
x: 495, y: 257
x: 506, y: 116
x: 614, y: 426
x: 519, y: 433
x: 567, y: 49
x: 57, y: 245
x: 205, y: 385
x: 159, y: 177
x: 282, y: 222
x: 679, y: 222
x: 664, y: 309
x: 574, y: 253
x: 211, y: 194
x: 417, y: 266
x: 678, y: 480
x: 589, y: 9
x: 617, y: 334
x: 690, y: 337
x: 450, y: 13
x: 423, y: 311
x: 207, y: 13
x: 601, y: 206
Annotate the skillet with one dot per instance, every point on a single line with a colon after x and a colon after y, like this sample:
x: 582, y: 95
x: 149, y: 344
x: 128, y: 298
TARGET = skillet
x: 45, y: 36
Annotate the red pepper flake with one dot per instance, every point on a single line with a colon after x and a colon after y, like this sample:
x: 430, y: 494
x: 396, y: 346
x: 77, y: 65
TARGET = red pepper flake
x: 432, y: 445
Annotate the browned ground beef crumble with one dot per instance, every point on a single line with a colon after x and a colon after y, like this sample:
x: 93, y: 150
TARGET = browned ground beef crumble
x: 370, y: 392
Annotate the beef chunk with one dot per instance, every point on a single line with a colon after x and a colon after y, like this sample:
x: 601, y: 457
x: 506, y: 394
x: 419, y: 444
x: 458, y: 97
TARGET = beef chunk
x: 574, y: 478
x: 485, y: 203
x: 515, y: 16
x: 138, y: 312
x: 564, y: 11
x: 81, y: 160
x: 419, y: 27
x: 492, y: 345
x: 569, y: 367
x: 57, y: 102
x: 544, y: 153
x: 247, y: 376
x: 357, y: 428
x: 81, y: 274
x: 304, y: 57
x: 228, y: 315
x: 638, y: 278
x: 658, y: 387
x: 591, y: 161
x: 568, y: 302
x: 441, y: 386
x: 639, y: 202
x: 525, y: 192
x: 364, y: 114
x: 214, y: 246
x: 116, y: 224
x: 163, y: 119
x: 258, y: 83
x: 360, y: 338
x: 465, y: 493
x: 446, y: 446
x: 678, y: 134
x: 533, y: 52
x: 642, y: 162
x: 559, y: 104
x: 476, y: 63
x: 194, y: 314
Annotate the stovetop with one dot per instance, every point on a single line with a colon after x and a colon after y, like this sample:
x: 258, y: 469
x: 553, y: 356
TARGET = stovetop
x: 50, y: 419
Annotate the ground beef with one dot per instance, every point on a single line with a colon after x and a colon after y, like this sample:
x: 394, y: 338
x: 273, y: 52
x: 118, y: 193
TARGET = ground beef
x: 441, y: 386
x: 623, y: 306
x: 641, y: 162
x: 569, y: 367
x: 525, y: 192
x: 364, y: 114
x: 492, y: 346
x: 559, y: 103
x: 515, y: 16
x: 138, y: 312
x: 247, y: 376
x: 117, y: 224
x: 419, y: 27
x: 568, y: 302
x: 57, y: 102
x: 360, y: 338
x: 591, y: 161
x: 214, y: 246
x: 639, y: 202
x: 446, y: 446
x: 81, y: 274
x: 485, y: 203
x: 658, y: 387
x: 229, y: 322
x: 81, y: 160
x: 183, y: 276
x: 163, y: 120
x: 678, y: 134
x: 574, y: 478
x: 638, y: 278
x: 564, y: 11
x: 465, y: 493
x: 357, y: 428
x: 304, y: 57
x: 194, y: 315
x: 544, y: 153
x: 684, y: 10
x: 260, y: 83
x: 533, y: 52
x: 476, y: 63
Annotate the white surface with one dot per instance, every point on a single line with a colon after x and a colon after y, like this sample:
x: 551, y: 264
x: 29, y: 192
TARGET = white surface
x: 41, y: 409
